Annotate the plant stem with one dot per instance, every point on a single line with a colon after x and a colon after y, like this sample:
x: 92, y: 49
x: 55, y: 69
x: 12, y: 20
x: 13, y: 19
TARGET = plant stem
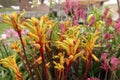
x: 59, y: 75
x: 88, y: 63
x: 62, y: 78
x: 18, y: 76
x: 111, y: 75
x: 43, y: 63
x: 35, y: 66
x: 106, y: 75
x: 36, y: 57
x: 25, y: 56
x: 3, y: 55
x: 36, y: 70
x: 67, y: 70
x: 24, y: 65
x: 116, y: 77
x: 76, y: 71
x: 5, y: 49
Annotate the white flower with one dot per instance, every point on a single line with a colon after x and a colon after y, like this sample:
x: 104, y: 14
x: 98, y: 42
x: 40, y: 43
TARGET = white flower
x: 3, y: 36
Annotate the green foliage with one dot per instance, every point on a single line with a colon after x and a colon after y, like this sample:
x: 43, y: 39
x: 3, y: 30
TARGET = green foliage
x: 3, y: 27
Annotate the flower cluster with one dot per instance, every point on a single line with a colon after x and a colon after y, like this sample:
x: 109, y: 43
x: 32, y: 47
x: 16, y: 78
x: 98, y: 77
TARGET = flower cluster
x: 72, y: 8
x: 46, y: 49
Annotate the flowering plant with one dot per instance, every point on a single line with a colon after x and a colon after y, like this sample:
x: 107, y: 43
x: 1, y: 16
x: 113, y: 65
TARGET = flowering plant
x: 55, y: 50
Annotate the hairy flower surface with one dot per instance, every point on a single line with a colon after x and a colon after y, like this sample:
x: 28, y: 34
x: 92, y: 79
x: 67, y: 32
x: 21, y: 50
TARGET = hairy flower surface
x: 105, y: 64
x: 10, y: 62
x: 38, y: 30
x: 117, y: 25
x: 115, y: 62
x: 15, y: 20
x: 107, y: 36
x: 91, y: 20
x: 89, y: 44
x: 93, y: 78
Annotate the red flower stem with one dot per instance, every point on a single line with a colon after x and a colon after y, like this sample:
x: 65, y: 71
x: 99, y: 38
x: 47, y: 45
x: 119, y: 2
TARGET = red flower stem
x: 34, y: 65
x: 56, y: 72
x: 44, y: 63
x: 62, y: 78
x: 36, y: 57
x: 18, y: 76
x: 25, y: 56
x: 35, y: 68
x: 67, y: 71
x: 88, y: 63
x: 24, y: 65
x: 59, y: 75
x: 76, y: 71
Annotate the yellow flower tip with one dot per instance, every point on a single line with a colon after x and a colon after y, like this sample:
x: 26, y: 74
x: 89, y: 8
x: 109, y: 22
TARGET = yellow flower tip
x: 48, y: 48
x: 61, y: 67
x: 67, y: 61
x: 77, y: 55
x: 48, y: 65
x: 32, y: 42
x: 62, y: 60
x: 54, y: 63
x: 54, y: 57
x: 89, y: 17
x: 84, y: 58
x: 58, y: 66
x: 5, y: 17
x: 98, y: 24
x: 18, y: 50
x: 12, y: 17
x: 38, y: 61
x: 33, y: 36
x: 37, y: 46
x: 71, y: 57
x: 45, y: 18
x: 13, y: 46
x: 95, y: 58
x: 10, y: 63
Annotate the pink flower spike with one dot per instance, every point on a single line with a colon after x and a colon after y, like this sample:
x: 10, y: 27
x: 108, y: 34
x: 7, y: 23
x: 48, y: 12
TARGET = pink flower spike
x: 114, y: 63
x: 75, y: 22
x: 104, y: 64
x: 62, y: 28
x: 92, y: 21
x: 104, y: 56
x: 67, y: 6
x: 117, y: 25
x: 93, y: 78
x: 108, y: 45
x: 106, y: 11
x: 107, y: 36
x: 82, y: 13
x: 109, y: 22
